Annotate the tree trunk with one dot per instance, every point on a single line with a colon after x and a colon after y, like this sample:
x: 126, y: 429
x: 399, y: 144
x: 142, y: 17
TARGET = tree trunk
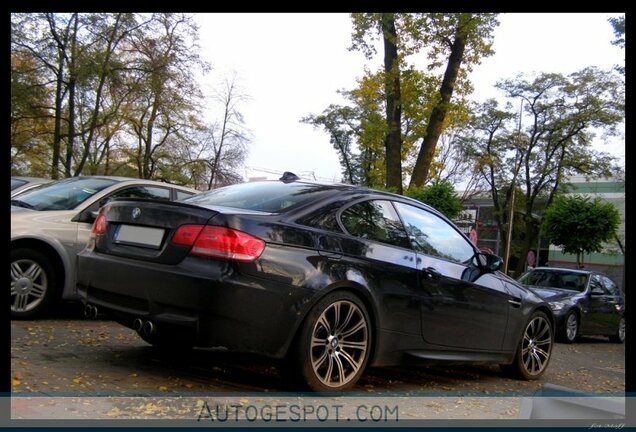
x: 70, y: 141
x: 72, y: 84
x: 217, y: 154
x: 147, y: 169
x: 104, y: 71
x: 393, y: 138
x: 438, y: 115
x: 532, y: 232
x: 57, y: 130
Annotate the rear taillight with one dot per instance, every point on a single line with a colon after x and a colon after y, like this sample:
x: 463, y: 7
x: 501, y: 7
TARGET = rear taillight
x: 100, y: 225
x: 219, y: 242
x: 186, y: 234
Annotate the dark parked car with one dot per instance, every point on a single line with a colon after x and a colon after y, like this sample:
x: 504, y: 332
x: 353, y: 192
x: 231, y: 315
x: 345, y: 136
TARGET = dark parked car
x: 331, y: 278
x: 583, y: 302
x: 51, y: 224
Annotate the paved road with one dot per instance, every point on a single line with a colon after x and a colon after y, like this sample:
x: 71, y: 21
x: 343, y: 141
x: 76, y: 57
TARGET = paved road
x: 68, y: 355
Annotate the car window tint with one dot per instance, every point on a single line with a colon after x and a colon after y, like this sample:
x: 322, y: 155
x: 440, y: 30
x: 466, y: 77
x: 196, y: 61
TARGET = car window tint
x: 609, y: 285
x: 65, y: 194
x: 271, y: 197
x: 596, y: 286
x: 15, y: 183
x: 432, y: 235
x: 143, y: 192
x: 375, y: 220
x: 183, y: 194
x: 325, y: 218
x: 573, y: 281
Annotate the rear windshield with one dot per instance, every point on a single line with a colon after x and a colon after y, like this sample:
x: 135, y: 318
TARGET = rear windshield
x: 270, y: 197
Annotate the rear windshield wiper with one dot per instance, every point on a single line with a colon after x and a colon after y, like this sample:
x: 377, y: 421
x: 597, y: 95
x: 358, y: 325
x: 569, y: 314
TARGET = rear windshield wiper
x: 20, y: 203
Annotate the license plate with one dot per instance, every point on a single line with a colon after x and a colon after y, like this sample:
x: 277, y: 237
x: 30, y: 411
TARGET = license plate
x: 137, y: 235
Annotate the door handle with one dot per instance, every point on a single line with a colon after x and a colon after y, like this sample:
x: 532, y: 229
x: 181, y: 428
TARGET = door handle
x: 431, y: 272
x: 515, y: 302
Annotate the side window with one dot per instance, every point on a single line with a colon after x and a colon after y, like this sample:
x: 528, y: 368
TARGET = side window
x: 432, y: 235
x: 325, y: 218
x: 610, y: 286
x: 375, y: 220
x: 182, y: 195
x: 143, y: 192
x: 596, y: 286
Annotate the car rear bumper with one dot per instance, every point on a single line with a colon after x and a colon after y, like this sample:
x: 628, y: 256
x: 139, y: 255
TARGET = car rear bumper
x: 210, y: 302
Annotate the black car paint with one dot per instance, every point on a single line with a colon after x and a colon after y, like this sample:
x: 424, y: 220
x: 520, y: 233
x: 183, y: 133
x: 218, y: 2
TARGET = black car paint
x: 259, y: 306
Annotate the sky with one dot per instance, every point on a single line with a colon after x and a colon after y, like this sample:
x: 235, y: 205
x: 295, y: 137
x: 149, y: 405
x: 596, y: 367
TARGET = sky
x: 292, y: 65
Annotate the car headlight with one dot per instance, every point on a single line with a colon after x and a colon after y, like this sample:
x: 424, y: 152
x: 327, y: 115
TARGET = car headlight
x: 556, y: 306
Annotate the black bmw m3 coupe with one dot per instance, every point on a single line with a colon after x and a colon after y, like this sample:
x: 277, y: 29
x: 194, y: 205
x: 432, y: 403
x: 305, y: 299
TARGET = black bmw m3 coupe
x: 330, y: 277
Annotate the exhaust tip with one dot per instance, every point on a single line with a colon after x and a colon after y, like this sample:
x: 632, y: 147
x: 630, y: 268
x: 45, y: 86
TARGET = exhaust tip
x: 137, y: 324
x: 149, y: 328
x: 90, y: 311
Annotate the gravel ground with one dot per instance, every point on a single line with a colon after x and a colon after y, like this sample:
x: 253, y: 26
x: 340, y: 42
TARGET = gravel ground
x: 71, y: 368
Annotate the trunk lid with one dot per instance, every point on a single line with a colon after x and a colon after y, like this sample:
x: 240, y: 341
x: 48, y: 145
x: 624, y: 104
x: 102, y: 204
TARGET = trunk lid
x: 142, y: 229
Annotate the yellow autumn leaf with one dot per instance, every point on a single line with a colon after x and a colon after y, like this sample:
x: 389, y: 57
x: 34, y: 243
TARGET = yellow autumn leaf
x: 16, y: 382
x: 77, y: 380
x: 163, y: 388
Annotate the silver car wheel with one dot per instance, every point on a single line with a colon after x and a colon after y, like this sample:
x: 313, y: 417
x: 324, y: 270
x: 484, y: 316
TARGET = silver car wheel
x: 571, y: 327
x: 28, y: 285
x: 621, y: 330
x: 339, y: 343
x: 536, y: 345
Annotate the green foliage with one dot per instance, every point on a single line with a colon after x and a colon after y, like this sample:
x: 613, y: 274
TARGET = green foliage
x: 357, y: 130
x: 440, y: 195
x: 580, y: 225
x: 457, y: 40
x: 618, y: 24
x: 434, y: 33
x: 115, y: 93
x: 561, y: 115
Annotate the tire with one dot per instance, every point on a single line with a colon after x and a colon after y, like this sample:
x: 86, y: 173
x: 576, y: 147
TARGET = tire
x: 619, y: 336
x: 333, y: 346
x: 570, y: 330
x: 532, y: 356
x: 34, y: 283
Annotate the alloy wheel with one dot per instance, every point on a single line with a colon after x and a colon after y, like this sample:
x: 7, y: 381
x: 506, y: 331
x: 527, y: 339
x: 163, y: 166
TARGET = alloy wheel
x: 621, y: 329
x: 571, y: 327
x: 536, y: 345
x: 339, y: 343
x: 29, y: 285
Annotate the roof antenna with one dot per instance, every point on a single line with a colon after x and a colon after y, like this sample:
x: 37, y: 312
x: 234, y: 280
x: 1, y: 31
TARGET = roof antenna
x: 289, y: 177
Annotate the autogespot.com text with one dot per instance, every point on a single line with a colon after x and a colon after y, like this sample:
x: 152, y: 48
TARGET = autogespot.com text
x: 297, y: 413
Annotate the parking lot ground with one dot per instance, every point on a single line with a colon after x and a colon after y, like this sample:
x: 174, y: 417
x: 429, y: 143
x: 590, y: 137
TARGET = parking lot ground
x: 60, y: 361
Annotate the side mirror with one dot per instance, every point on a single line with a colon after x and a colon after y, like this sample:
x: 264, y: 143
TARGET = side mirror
x: 597, y: 292
x: 489, y: 262
x: 87, y: 216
